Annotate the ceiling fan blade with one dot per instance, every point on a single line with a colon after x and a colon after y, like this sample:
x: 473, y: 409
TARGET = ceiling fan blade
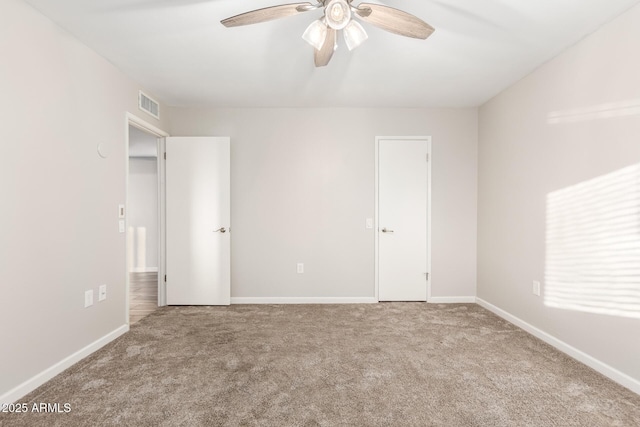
x: 323, y: 56
x: 267, y: 14
x: 395, y: 21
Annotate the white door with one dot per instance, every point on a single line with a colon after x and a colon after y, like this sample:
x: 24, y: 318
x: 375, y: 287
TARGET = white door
x: 198, y: 221
x: 402, y: 219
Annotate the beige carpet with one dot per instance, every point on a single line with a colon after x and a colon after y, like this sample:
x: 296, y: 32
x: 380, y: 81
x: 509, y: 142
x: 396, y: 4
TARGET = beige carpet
x: 404, y: 364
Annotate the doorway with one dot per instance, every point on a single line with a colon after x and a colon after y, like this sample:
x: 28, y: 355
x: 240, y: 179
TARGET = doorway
x: 403, y: 218
x: 142, y: 224
x: 144, y: 219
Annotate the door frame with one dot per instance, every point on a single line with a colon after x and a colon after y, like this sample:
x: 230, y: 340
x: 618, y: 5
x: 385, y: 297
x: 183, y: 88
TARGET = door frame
x: 377, y: 202
x: 137, y: 122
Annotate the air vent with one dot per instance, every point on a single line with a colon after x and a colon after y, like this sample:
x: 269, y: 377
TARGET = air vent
x: 148, y: 105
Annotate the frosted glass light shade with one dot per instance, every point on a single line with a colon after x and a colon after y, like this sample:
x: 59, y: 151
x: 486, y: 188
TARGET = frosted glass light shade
x: 354, y: 35
x: 316, y: 34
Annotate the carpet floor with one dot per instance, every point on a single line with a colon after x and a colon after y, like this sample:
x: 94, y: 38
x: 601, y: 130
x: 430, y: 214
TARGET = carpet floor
x: 390, y: 364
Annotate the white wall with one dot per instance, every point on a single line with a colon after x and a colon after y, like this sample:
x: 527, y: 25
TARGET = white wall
x: 575, y: 118
x: 143, y: 213
x: 303, y: 184
x: 59, y: 198
x: 143, y: 202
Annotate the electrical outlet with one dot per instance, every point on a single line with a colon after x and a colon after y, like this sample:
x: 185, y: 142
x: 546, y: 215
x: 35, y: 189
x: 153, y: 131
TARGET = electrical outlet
x: 536, y: 288
x: 102, y: 293
x: 88, y: 298
x: 300, y: 268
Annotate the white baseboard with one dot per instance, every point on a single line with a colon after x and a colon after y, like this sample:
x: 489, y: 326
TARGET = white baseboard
x: 339, y: 300
x: 303, y: 300
x: 144, y: 270
x: 31, y: 384
x: 606, y: 370
x: 452, y: 300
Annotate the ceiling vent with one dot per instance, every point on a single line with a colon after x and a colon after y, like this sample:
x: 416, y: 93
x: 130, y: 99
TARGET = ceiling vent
x: 148, y: 105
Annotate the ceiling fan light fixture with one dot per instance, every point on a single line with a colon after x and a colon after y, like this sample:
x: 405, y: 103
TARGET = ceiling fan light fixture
x: 338, y: 14
x: 354, y: 35
x: 316, y: 34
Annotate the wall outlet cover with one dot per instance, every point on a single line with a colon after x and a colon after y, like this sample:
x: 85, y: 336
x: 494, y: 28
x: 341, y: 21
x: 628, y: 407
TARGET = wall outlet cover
x: 88, y: 298
x: 102, y: 293
x: 536, y: 288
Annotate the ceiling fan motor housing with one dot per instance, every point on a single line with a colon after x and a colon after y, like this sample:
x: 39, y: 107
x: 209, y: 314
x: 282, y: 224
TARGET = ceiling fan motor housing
x: 337, y: 14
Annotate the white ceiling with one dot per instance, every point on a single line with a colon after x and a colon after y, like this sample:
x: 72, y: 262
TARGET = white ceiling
x: 179, y: 51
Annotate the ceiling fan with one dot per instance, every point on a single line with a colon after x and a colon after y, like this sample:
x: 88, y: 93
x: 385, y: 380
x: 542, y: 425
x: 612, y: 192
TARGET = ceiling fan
x: 338, y: 15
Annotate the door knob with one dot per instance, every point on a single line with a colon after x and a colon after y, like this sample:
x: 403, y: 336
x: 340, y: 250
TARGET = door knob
x: 384, y: 230
x: 221, y: 230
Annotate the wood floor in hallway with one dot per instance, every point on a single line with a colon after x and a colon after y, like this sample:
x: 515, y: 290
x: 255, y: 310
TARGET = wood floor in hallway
x: 143, y: 295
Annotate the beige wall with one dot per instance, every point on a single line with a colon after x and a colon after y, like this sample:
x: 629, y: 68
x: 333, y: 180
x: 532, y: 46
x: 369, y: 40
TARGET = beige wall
x: 143, y: 214
x: 571, y: 120
x: 303, y: 185
x: 59, y: 199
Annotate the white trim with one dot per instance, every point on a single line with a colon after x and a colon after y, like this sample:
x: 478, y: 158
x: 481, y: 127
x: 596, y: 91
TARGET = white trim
x: 452, y: 300
x: 606, y: 370
x: 144, y: 270
x: 376, y: 215
x: 36, y: 381
x: 429, y: 161
x: 162, y: 223
x: 143, y: 125
x: 376, y: 221
x: 304, y: 300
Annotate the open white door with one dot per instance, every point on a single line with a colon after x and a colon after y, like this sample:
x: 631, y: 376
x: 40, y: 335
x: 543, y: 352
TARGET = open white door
x: 198, y: 221
x: 402, y: 260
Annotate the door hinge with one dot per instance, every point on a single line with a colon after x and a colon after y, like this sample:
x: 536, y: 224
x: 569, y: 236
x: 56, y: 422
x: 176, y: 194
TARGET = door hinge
x: 427, y: 157
x: 426, y: 275
x: 165, y: 156
x: 165, y: 277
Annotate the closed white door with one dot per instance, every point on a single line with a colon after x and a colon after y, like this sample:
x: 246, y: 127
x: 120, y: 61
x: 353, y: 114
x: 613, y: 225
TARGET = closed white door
x: 402, y: 219
x: 198, y: 217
